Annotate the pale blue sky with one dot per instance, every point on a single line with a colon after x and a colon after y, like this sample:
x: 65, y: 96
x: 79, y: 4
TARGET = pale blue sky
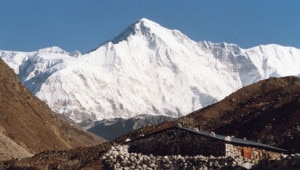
x: 27, y: 25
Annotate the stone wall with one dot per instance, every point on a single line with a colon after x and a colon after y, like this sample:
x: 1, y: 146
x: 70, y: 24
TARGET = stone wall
x: 118, y: 157
x: 256, y: 154
x: 177, y: 141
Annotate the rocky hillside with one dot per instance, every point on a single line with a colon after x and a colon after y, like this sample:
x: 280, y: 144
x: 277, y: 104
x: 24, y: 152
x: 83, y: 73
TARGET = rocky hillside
x: 266, y: 112
x: 106, y: 156
x: 28, y: 126
x: 269, y: 108
x: 10, y: 149
x: 79, y: 158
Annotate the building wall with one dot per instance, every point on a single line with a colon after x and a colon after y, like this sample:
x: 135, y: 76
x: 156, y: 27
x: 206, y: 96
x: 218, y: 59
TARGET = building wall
x: 256, y: 154
x: 177, y: 141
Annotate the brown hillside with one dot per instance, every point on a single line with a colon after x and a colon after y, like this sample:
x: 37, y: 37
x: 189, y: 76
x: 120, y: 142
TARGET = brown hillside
x: 79, y: 158
x: 267, y: 112
x: 30, y: 123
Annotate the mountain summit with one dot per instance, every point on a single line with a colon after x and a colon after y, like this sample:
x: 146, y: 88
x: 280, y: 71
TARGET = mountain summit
x: 154, y: 34
x: 150, y: 31
x: 141, y: 27
x: 147, y: 69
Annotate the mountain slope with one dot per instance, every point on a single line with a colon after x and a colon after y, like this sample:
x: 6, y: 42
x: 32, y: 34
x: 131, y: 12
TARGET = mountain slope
x: 112, y: 128
x: 147, y: 69
x: 29, y: 126
x: 79, y: 158
x: 9, y: 149
x: 267, y: 112
x: 280, y: 93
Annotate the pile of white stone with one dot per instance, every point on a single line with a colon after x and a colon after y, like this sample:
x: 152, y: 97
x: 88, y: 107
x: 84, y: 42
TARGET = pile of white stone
x: 118, y: 157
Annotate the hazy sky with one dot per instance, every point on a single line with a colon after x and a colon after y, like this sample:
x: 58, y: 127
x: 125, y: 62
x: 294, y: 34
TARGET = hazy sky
x: 28, y: 25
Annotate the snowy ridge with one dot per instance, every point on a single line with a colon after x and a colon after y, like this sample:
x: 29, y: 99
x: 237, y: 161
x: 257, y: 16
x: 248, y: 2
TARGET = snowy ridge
x: 147, y: 69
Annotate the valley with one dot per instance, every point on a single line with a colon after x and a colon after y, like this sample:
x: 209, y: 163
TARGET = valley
x: 147, y: 99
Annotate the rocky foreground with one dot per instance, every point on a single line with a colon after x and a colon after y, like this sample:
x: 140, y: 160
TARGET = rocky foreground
x: 109, y: 156
x: 118, y: 157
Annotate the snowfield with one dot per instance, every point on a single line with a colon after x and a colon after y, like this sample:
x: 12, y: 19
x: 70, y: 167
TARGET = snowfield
x: 147, y: 69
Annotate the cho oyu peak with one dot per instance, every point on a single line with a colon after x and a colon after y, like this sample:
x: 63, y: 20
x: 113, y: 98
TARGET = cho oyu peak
x: 147, y: 69
x: 149, y: 30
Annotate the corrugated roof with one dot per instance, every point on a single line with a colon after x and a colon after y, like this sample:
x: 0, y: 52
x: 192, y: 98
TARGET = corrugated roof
x: 226, y: 139
x: 233, y: 140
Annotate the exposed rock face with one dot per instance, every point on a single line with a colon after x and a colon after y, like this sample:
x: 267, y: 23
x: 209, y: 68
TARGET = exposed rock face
x: 28, y: 123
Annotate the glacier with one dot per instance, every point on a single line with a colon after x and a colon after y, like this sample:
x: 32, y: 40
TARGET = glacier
x: 146, y: 70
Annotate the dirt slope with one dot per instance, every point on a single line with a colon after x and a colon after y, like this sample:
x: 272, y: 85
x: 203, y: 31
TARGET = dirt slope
x: 267, y: 112
x: 28, y: 121
x: 10, y: 149
x: 79, y: 158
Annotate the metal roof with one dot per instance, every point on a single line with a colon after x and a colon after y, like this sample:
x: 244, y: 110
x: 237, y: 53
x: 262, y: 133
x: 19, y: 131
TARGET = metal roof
x: 233, y: 140
x: 226, y: 139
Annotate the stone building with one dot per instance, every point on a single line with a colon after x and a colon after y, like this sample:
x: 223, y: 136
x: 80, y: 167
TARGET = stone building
x: 184, y: 141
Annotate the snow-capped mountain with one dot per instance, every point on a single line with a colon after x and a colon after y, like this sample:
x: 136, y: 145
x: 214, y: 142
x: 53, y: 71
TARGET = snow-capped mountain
x: 111, y: 129
x: 147, y: 69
